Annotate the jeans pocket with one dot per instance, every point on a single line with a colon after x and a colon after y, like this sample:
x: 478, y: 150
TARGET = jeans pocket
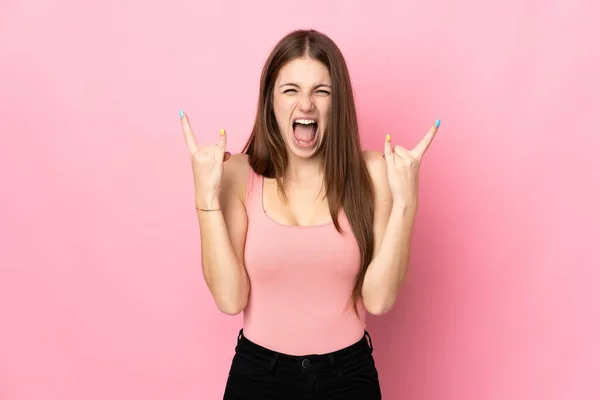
x: 239, y: 384
x: 241, y: 367
x: 363, y: 367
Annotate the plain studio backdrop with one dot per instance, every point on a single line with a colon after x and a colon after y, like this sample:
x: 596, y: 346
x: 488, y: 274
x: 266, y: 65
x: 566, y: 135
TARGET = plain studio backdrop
x: 101, y: 288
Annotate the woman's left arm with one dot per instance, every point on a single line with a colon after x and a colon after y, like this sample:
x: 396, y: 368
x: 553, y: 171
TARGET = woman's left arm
x: 395, y: 181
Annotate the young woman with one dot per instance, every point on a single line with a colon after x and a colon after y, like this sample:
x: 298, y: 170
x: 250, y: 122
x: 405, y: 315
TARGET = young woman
x: 304, y: 231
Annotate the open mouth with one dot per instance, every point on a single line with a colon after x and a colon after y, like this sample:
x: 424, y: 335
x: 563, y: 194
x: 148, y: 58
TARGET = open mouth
x: 305, y: 132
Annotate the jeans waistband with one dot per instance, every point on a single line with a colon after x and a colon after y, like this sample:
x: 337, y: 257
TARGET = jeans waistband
x: 270, y: 359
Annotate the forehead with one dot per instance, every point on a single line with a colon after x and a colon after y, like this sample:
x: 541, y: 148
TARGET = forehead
x: 304, y: 71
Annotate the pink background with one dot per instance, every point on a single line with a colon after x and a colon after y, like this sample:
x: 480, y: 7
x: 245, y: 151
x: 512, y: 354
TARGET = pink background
x: 101, y: 290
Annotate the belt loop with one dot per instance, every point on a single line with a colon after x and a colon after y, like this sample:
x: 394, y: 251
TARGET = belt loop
x: 370, y: 340
x: 336, y: 371
x: 274, y: 362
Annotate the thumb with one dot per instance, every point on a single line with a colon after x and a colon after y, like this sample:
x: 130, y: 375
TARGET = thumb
x: 388, y: 152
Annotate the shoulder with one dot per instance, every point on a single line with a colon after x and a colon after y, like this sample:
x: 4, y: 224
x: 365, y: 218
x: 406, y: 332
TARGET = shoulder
x: 235, y: 173
x: 237, y: 163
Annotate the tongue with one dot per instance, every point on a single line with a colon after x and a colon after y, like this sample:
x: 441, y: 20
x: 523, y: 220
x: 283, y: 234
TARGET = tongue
x: 305, y: 133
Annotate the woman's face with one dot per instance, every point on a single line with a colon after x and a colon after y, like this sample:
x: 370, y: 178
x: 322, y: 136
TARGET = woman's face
x: 301, y: 101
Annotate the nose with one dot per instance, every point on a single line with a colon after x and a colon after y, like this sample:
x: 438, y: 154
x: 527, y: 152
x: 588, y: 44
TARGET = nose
x: 306, y: 102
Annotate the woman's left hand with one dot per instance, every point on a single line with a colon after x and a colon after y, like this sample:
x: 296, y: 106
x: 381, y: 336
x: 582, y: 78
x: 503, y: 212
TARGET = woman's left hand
x: 403, y: 167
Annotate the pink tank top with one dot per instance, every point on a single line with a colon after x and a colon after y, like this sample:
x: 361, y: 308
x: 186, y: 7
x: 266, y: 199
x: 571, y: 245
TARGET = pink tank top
x: 301, y: 282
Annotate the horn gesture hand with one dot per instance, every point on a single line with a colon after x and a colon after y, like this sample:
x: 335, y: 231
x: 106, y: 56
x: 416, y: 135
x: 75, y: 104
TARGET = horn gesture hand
x: 403, y: 167
x: 207, y: 165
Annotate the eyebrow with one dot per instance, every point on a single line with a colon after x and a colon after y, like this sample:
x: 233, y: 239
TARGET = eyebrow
x: 295, y: 85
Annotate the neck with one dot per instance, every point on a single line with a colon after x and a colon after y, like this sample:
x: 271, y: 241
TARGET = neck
x: 302, y: 170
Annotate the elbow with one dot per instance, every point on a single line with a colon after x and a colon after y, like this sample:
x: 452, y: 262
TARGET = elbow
x: 381, y: 301
x: 230, y: 310
x: 231, y: 307
x: 380, y: 306
x: 229, y: 294
x: 379, y: 292
x: 232, y: 303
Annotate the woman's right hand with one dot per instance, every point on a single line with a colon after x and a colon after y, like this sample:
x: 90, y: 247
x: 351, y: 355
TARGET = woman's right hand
x: 207, y: 165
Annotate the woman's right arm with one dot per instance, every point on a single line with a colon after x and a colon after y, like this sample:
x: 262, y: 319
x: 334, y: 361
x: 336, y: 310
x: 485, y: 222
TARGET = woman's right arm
x: 220, y: 184
x: 223, y: 237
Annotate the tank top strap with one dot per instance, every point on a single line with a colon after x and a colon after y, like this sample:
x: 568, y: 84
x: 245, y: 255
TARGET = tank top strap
x: 253, y: 199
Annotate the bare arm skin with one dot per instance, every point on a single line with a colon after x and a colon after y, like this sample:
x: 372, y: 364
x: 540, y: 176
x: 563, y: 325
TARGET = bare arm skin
x: 223, y: 237
x: 219, y: 183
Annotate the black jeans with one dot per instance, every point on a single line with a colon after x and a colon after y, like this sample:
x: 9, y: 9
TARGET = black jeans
x: 258, y: 373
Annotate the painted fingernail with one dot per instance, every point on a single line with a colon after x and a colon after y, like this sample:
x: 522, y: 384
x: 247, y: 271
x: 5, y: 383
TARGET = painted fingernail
x: 180, y: 113
x: 222, y: 132
x: 437, y: 123
x: 387, y: 137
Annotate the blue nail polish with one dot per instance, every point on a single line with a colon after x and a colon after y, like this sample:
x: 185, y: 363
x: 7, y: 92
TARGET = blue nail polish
x: 437, y: 123
x: 180, y: 113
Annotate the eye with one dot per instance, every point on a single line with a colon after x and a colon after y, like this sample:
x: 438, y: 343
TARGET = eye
x: 289, y: 90
x: 323, y: 92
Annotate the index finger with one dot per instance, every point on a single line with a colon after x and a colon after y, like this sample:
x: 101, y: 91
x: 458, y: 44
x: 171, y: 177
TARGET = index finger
x: 190, y: 139
x: 423, y: 145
